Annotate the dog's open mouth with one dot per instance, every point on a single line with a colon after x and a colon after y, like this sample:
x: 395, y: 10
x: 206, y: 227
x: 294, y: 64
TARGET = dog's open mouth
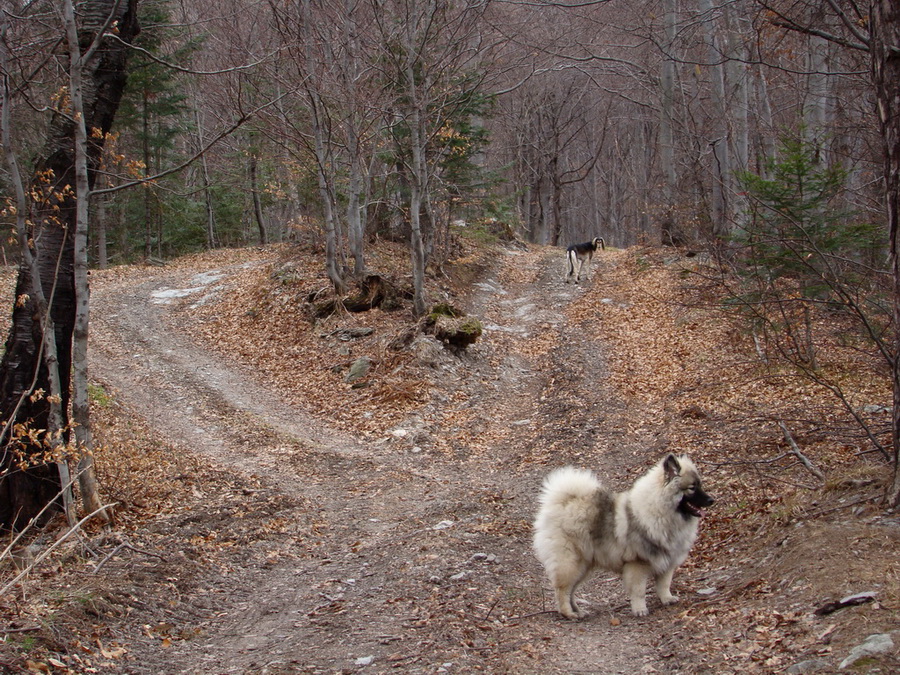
x: 691, y: 509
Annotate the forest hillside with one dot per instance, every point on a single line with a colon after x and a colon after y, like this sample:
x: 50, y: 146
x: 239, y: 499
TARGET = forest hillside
x: 277, y: 514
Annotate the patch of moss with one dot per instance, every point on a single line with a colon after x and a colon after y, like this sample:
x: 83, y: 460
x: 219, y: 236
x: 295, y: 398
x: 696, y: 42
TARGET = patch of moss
x: 99, y: 395
x: 444, y: 309
x: 472, y: 327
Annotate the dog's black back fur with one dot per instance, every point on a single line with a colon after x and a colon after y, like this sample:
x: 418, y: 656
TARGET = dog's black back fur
x: 581, y: 253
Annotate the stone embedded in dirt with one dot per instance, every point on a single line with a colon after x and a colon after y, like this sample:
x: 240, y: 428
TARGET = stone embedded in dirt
x: 428, y: 351
x: 359, y: 369
x: 809, y: 666
x: 874, y: 645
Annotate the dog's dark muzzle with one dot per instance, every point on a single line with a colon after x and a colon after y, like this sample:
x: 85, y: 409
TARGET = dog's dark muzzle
x: 693, y: 505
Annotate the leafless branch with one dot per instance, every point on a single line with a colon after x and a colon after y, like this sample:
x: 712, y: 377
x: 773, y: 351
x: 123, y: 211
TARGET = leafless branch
x: 795, y: 450
x: 40, y: 558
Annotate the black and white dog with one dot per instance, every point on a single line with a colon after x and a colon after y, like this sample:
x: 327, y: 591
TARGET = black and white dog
x: 581, y: 254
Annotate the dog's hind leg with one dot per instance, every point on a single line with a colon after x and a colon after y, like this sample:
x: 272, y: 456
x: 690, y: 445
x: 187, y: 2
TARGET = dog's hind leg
x: 635, y: 575
x: 580, y: 268
x: 663, y: 587
x: 570, y: 265
x: 566, y: 578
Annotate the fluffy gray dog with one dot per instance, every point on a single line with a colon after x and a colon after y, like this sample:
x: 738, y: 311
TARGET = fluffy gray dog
x: 643, y: 532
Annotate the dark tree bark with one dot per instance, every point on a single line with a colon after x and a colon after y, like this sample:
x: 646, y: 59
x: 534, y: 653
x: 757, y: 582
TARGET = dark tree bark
x: 257, y: 204
x: 23, y: 370
x: 885, y: 43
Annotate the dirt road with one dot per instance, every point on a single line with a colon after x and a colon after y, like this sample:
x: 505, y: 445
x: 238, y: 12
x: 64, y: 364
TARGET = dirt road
x: 307, y: 550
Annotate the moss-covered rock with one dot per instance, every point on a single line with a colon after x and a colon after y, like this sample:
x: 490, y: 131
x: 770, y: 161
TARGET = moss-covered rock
x: 457, y: 332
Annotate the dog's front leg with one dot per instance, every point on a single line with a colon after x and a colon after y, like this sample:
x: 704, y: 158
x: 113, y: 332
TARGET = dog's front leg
x: 635, y: 576
x: 663, y: 586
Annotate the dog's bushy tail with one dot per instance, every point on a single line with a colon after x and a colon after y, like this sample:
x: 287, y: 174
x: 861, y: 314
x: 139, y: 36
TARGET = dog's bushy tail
x: 568, y: 483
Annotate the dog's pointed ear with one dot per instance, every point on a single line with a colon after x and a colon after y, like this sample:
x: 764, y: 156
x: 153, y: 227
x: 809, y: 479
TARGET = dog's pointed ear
x: 671, y: 467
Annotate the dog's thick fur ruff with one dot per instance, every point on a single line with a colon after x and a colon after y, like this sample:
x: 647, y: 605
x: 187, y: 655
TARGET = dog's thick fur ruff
x: 581, y: 254
x: 644, y: 532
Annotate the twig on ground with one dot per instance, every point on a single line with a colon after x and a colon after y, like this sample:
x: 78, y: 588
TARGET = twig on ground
x: 528, y: 616
x: 496, y: 602
x: 117, y: 549
x: 40, y: 558
x: 795, y: 449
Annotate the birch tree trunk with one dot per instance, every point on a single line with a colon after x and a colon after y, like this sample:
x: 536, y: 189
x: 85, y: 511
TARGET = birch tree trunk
x: 817, y: 108
x: 78, y: 64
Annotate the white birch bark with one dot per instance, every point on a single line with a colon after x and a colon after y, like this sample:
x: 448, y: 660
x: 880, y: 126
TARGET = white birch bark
x: 90, y: 494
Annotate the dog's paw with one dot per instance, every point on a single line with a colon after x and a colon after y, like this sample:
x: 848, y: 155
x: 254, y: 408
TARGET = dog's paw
x: 574, y: 613
x: 572, y: 616
x: 668, y: 599
x: 639, y: 609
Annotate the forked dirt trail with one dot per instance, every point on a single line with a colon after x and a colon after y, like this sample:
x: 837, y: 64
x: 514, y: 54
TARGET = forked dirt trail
x: 304, y: 549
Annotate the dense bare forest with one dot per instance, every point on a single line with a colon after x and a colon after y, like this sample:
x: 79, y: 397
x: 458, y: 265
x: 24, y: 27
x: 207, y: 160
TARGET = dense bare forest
x: 639, y: 119
x: 390, y: 141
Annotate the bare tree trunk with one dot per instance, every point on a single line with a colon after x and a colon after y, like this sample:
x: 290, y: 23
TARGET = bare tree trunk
x: 721, y: 148
x: 357, y: 184
x: 24, y: 491
x: 100, y: 233
x: 738, y: 104
x: 417, y: 187
x: 212, y: 239
x: 817, y: 108
x: 764, y: 130
x: 28, y: 363
x: 885, y: 37
x: 667, y: 106
x: 323, y: 163
x: 148, y: 207
x: 355, y: 223
x: 257, y: 204
x: 418, y: 170
x: 78, y: 64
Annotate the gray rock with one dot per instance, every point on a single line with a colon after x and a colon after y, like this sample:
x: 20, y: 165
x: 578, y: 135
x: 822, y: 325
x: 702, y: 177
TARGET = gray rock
x: 359, y: 369
x: 874, y: 645
x: 810, y: 666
